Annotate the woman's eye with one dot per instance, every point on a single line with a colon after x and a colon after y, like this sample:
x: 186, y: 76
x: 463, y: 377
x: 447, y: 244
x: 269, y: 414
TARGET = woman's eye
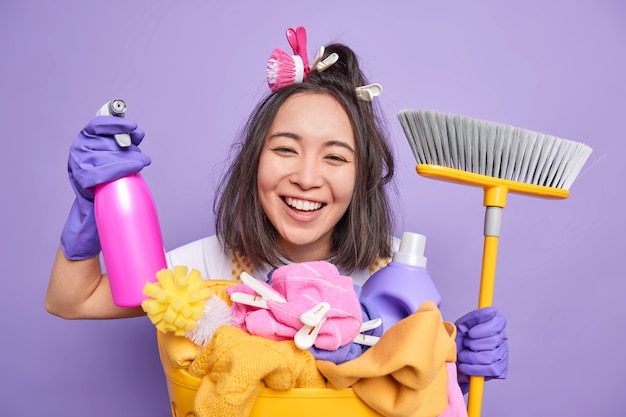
x: 336, y: 158
x: 284, y: 150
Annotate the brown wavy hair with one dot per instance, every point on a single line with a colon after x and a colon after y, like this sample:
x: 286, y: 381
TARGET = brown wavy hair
x: 363, y: 233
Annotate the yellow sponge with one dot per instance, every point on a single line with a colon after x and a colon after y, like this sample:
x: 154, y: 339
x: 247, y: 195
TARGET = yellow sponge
x: 176, y: 300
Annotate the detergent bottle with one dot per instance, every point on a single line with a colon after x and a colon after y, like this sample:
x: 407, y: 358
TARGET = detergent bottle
x: 129, y: 230
x: 398, y: 289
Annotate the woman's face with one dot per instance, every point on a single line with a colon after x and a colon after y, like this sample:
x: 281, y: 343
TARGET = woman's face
x: 307, y: 174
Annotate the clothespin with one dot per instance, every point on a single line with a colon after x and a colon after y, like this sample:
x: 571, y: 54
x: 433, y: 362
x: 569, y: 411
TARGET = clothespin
x: 368, y: 92
x: 320, y: 64
x: 264, y: 293
x: 366, y: 339
x: 313, y: 320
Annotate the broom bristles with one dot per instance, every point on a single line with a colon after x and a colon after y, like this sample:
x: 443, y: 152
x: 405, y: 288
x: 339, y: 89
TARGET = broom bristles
x: 493, y: 149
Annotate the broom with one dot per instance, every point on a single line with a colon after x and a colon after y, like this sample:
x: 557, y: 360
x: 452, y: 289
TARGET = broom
x: 500, y: 159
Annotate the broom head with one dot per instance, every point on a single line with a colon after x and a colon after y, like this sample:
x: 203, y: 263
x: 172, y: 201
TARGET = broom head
x: 497, y: 157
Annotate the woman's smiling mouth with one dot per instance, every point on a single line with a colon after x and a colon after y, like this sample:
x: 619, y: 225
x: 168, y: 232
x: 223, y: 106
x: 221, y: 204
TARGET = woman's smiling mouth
x: 302, y: 205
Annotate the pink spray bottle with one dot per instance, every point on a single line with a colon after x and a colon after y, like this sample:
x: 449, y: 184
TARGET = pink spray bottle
x: 128, y: 226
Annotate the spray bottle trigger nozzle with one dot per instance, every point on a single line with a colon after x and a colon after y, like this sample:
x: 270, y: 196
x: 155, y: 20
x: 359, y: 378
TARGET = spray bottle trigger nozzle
x: 116, y: 108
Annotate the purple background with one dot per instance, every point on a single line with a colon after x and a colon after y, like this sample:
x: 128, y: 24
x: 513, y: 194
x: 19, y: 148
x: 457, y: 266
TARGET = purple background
x: 191, y: 71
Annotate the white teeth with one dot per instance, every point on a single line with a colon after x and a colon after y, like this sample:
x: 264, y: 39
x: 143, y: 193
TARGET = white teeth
x: 302, y: 204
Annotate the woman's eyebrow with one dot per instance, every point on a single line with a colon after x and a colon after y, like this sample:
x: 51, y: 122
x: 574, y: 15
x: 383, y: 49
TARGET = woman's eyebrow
x: 286, y: 134
x: 339, y: 143
x: 298, y: 138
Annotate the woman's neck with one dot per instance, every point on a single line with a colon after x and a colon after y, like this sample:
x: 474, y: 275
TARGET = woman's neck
x: 309, y: 253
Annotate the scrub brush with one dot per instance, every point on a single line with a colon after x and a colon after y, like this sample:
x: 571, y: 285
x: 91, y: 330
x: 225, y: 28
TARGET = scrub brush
x: 284, y: 69
x: 500, y: 159
x: 177, y: 301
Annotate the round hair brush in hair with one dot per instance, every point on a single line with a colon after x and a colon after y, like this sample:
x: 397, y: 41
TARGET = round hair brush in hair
x: 499, y: 159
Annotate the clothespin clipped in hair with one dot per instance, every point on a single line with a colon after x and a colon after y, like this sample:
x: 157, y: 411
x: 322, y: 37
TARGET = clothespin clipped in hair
x: 320, y: 64
x: 260, y: 301
x: 368, y: 92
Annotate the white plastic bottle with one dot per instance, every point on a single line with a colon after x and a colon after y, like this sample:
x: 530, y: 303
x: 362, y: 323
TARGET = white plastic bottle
x: 398, y: 289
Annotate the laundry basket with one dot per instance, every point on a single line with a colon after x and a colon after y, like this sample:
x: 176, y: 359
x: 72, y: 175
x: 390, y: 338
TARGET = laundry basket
x: 177, y: 353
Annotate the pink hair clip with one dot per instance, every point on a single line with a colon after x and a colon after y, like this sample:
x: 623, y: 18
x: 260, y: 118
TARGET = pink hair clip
x: 284, y: 69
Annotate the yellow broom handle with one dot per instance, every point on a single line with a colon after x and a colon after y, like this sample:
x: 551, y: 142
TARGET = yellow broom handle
x: 493, y: 221
x: 488, y: 276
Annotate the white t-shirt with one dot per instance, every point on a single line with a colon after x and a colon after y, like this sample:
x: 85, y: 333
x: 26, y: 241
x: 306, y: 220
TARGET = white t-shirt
x: 207, y: 256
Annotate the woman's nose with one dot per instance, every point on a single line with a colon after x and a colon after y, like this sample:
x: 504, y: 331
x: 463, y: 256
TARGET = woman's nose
x: 308, y: 174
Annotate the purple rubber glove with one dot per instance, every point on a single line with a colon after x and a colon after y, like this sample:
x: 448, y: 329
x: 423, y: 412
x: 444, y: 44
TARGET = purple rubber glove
x: 95, y: 158
x: 482, y: 347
